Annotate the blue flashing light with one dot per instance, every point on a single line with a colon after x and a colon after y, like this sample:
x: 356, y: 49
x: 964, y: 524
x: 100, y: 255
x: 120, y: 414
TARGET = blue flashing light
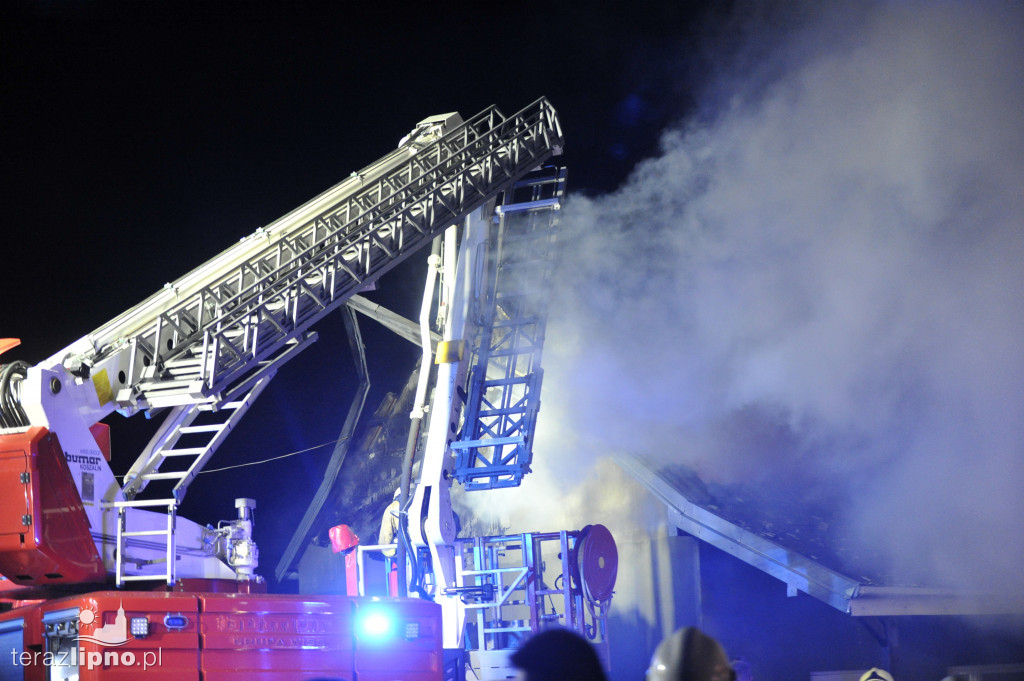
x: 376, y: 625
x: 175, y: 622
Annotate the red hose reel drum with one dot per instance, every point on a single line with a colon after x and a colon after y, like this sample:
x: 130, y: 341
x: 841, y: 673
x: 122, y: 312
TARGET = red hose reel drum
x: 598, y: 561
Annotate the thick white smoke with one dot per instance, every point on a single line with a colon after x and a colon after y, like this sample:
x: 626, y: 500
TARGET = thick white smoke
x: 820, y: 288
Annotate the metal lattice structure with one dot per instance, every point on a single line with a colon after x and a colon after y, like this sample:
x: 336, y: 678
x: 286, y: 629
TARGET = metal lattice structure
x: 495, y: 445
x: 515, y: 585
x: 207, y: 345
x: 230, y: 330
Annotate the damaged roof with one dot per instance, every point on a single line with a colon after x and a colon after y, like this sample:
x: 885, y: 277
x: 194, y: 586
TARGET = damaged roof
x: 792, y: 542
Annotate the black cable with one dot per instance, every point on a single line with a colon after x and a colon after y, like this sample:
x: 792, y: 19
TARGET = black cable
x: 12, y: 415
x: 3, y: 391
x: 23, y: 372
x: 416, y: 579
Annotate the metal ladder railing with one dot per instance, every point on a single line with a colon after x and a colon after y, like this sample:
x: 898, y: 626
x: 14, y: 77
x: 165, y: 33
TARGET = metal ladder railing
x: 202, y: 440
x: 494, y: 448
x: 518, y: 584
x: 164, y: 537
x: 501, y: 611
x: 217, y: 336
x: 165, y: 445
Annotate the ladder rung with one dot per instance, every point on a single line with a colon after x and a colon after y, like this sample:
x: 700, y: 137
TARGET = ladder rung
x: 223, y: 407
x: 142, y: 503
x: 184, y: 451
x: 143, y: 578
x: 144, y: 533
x: 213, y: 428
x: 177, y: 475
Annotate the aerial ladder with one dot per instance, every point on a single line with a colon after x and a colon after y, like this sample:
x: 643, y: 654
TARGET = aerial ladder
x: 199, y: 351
x: 203, y: 348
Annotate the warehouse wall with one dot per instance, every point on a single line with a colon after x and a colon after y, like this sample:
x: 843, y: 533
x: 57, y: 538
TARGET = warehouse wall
x: 791, y: 637
x: 657, y: 590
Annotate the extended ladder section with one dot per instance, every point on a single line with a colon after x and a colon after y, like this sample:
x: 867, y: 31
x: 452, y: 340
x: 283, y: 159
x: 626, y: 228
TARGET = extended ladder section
x: 186, y: 440
x: 224, y: 334
x: 495, y: 445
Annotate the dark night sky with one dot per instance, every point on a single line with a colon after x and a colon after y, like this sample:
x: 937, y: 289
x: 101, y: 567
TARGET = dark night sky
x: 140, y: 139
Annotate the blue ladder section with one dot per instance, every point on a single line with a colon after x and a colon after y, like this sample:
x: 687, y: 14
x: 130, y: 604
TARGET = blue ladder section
x: 495, y: 446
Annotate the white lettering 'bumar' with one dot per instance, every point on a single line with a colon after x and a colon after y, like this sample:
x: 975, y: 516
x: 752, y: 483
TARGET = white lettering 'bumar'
x: 86, y: 462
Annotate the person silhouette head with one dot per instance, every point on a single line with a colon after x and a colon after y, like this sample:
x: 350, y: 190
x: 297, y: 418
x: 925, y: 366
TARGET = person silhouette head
x: 688, y: 654
x: 557, y: 655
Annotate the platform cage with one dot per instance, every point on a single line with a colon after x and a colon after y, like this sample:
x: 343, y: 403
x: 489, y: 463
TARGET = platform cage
x: 519, y: 584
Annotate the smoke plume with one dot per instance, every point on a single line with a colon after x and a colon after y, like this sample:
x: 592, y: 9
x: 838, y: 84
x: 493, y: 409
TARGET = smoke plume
x: 818, y: 286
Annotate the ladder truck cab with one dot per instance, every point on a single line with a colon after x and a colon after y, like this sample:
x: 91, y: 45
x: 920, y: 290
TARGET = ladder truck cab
x: 105, y: 578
